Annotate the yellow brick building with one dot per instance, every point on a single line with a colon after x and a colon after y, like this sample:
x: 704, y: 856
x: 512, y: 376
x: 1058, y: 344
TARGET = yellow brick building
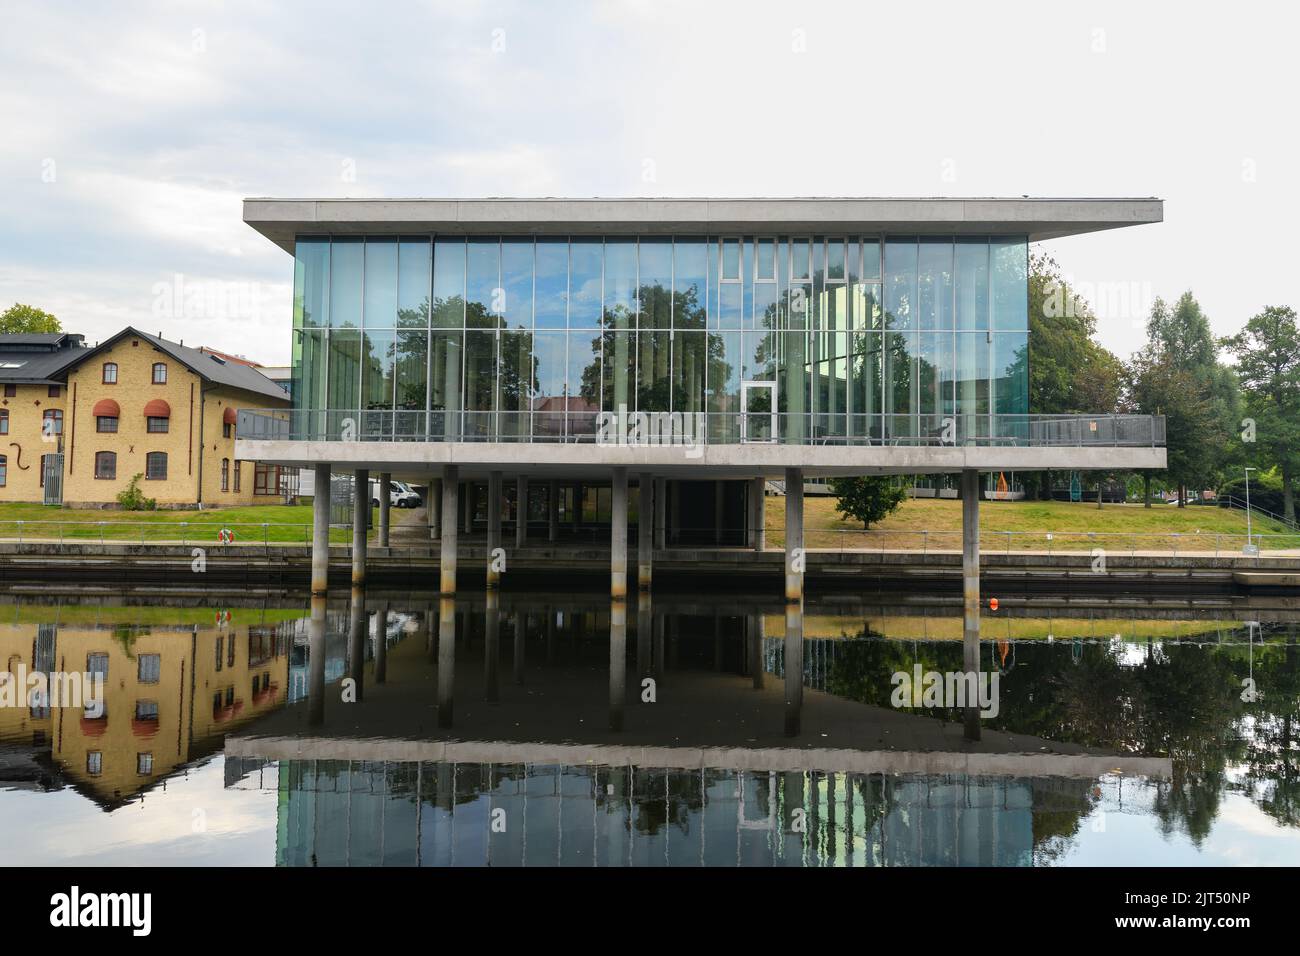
x: 77, y: 423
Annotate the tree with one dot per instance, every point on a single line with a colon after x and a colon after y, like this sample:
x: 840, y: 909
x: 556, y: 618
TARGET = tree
x: 27, y: 318
x: 1268, y: 368
x: 1178, y: 375
x: 867, y: 499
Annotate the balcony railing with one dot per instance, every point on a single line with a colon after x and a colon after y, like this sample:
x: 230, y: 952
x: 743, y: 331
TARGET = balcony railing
x: 710, y: 428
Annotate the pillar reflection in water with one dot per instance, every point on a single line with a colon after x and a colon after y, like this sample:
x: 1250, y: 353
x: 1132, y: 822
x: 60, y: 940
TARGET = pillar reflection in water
x: 644, y: 636
x: 492, y: 648
x: 617, y: 663
x: 316, y: 662
x: 446, y: 660
x: 793, y: 667
x: 521, y: 633
x: 358, y: 628
x: 381, y: 644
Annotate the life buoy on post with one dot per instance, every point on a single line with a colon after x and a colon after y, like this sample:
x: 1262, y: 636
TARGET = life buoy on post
x: 226, y: 536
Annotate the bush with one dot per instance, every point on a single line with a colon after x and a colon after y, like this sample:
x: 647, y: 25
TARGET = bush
x: 1265, y: 491
x: 131, y: 498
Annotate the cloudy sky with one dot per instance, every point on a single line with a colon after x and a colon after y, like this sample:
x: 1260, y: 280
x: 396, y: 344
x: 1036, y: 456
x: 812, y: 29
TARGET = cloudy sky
x: 133, y: 130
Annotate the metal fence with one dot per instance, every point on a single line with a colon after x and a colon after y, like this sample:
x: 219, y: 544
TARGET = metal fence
x: 729, y: 427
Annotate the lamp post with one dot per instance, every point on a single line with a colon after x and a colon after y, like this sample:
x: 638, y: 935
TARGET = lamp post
x: 1250, y: 547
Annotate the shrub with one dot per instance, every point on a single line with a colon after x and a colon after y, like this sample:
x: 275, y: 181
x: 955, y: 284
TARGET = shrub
x: 131, y: 498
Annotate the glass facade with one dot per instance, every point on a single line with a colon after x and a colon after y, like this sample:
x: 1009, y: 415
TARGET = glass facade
x: 849, y: 338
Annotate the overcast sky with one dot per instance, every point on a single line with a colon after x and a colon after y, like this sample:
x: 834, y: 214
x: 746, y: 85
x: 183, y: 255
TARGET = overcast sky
x: 133, y: 130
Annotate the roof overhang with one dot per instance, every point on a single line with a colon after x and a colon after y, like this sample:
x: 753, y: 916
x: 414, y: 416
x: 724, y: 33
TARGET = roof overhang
x: 281, y: 220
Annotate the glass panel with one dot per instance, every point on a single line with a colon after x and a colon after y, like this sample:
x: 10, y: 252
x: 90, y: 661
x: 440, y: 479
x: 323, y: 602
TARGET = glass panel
x: 484, y: 297
x: 652, y: 381
x: 517, y: 282
x: 620, y: 284
x: 730, y: 259
x: 311, y: 274
x: 865, y: 370
x: 765, y: 260
x: 516, y: 383
x: 1010, y: 380
x: 1009, y: 264
x: 449, y: 284
x: 830, y: 386
x: 972, y: 375
x: 551, y: 297
x: 377, y: 368
x: 766, y: 311
x: 690, y: 284
x: 688, y: 372
x: 309, y: 384
x: 934, y: 284
x: 586, y: 257
x: 346, y: 270
x: 900, y: 283
x: 800, y: 259
x: 870, y: 258
x: 900, y: 402
x: 414, y: 261
x: 480, y: 363
x: 344, y: 371
x: 619, y: 370
x: 761, y: 356
x: 381, y: 283
x: 656, y: 283
x: 445, y: 360
x: 412, y: 368
x: 725, y: 361
x: 584, y: 367
x: 835, y: 256
x: 972, y: 283
x: 549, y: 405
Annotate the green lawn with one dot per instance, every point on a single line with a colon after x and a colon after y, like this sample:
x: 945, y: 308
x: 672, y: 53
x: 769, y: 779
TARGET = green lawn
x: 1123, y: 527
x: 286, y: 524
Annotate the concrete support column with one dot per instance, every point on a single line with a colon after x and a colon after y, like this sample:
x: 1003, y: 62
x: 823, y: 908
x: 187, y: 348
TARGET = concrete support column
x: 450, y: 527
x: 433, y: 508
x: 552, y: 511
x: 794, y: 556
x: 493, y: 528
x: 757, y: 514
x: 320, y: 530
x: 360, y: 521
x: 385, y: 489
x: 661, y: 513
x: 645, y: 532
x: 970, y: 578
x: 469, y: 507
x: 521, y: 511
x: 618, y: 537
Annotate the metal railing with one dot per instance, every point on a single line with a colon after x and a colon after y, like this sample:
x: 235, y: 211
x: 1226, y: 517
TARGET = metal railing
x: 688, y: 428
x: 198, y: 533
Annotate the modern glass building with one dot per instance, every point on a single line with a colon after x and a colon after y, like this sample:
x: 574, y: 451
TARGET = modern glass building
x: 818, y: 338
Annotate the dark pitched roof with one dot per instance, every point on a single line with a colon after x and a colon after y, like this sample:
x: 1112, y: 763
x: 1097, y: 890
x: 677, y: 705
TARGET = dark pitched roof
x: 209, y: 367
x: 38, y: 358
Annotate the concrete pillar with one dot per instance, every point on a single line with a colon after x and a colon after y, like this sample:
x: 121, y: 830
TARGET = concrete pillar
x: 617, y: 662
x: 794, y: 556
x: 492, y: 648
x: 358, y: 632
x: 360, y: 521
x: 521, y: 510
x: 552, y: 511
x: 433, y: 508
x: 757, y: 514
x: 316, y: 662
x: 450, y: 527
x: 793, y: 666
x: 618, y: 537
x: 320, y: 530
x: 446, y: 654
x: 493, y: 528
x: 661, y: 513
x: 385, y: 488
x: 469, y: 507
x: 970, y: 577
x: 645, y: 532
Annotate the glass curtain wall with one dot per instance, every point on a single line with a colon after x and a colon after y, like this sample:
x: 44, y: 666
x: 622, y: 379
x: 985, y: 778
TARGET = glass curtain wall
x: 847, y: 338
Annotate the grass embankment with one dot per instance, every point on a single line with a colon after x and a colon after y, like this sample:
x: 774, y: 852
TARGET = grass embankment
x: 1024, y: 526
x: 285, y: 524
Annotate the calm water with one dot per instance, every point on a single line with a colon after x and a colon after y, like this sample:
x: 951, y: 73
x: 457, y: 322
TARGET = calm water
x: 542, y: 730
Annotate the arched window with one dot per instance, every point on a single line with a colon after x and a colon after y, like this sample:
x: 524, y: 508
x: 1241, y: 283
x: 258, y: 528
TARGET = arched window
x: 160, y: 373
x: 155, y: 466
x: 106, y: 465
x: 110, y: 373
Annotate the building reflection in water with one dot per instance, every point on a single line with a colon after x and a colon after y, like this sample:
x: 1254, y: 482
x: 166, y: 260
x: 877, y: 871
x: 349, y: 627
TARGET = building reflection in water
x: 341, y: 813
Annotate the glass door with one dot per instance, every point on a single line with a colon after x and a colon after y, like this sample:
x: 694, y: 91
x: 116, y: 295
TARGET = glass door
x: 758, y: 412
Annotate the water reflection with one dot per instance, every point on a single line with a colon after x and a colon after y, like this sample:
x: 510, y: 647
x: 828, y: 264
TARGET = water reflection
x: 379, y: 729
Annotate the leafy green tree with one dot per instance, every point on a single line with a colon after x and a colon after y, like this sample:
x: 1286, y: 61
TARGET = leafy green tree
x: 867, y: 499
x: 1178, y: 375
x: 27, y: 318
x: 1268, y: 367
